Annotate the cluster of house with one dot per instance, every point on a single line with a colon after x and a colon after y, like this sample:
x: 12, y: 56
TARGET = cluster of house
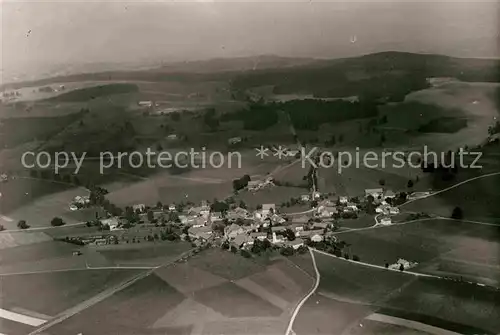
x: 255, y: 185
x: 383, y: 207
x: 263, y: 224
x: 402, y: 262
x: 79, y: 202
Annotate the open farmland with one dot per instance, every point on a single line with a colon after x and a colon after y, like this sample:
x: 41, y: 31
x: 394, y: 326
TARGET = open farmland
x: 442, y: 247
x: 59, y: 288
x: 349, y: 293
x: 20, y: 130
x: 38, y: 201
x: 198, y: 297
x: 271, y: 195
x: 478, y: 199
x: 144, y: 254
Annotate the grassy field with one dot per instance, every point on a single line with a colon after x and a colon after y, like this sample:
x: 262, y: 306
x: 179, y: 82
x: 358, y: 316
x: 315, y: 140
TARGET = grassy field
x: 195, y: 296
x: 478, y: 200
x: 233, y: 301
x: 441, y: 247
x: 225, y: 264
x: 19, y: 130
x: 273, y: 195
x: 130, y: 311
x: 145, y: 254
x: 369, y: 327
x: 348, y: 293
x: 59, y: 288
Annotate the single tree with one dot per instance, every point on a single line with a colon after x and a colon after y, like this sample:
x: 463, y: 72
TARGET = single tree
x: 57, y: 221
x: 457, y: 213
x: 151, y: 216
x: 22, y: 224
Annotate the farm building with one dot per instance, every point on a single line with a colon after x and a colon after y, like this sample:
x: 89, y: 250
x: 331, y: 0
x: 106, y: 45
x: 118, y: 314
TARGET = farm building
x: 297, y: 243
x: 374, y: 192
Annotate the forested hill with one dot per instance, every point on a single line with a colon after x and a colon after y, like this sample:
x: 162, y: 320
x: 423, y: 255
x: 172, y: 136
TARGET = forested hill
x: 386, y: 74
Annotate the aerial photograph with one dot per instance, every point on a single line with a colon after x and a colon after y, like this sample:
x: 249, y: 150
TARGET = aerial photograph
x: 291, y: 167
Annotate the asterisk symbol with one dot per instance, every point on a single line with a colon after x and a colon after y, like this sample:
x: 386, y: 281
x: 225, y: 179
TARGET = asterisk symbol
x: 262, y: 152
x: 281, y: 152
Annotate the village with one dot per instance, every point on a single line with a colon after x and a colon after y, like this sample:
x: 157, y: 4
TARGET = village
x: 235, y: 227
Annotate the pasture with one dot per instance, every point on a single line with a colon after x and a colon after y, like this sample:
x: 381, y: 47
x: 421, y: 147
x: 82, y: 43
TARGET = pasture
x: 199, y: 296
x: 478, y: 199
x: 143, y: 254
x: 442, y: 247
x: 348, y: 293
x: 32, y: 291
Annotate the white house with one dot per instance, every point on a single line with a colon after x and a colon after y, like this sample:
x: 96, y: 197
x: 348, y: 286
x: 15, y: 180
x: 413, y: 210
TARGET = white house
x: 385, y: 221
x: 305, y: 197
x: 172, y: 137
x: 199, y: 222
x: 312, y: 233
x: 343, y: 200
x: 393, y: 210
x: 327, y: 211
x: 298, y: 228
x: 259, y: 235
x: 297, y: 243
x: 352, y: 206
x: 171, y: 207
x: 139, y: 207
x: 316, y: 195
x: 317, y: 238
x: 234, y: 140
x: 277, y: 238
x: 216, y: 216
x: 145, y: 103
x: 112, y: 223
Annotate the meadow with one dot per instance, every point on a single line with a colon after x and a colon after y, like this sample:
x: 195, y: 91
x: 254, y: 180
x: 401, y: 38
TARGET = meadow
x: 348, y: 293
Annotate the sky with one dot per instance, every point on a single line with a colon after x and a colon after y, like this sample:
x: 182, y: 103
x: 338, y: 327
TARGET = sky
x: 41, y: 35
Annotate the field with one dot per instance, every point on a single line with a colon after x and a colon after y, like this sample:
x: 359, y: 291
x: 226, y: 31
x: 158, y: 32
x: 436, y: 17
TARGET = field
x: 145, y: 254
x: 198, y: 296
x: 478, y: 199
x: 273, y: 195
x: 38, y: 201
x: 349, y: 293
x: 441, y: 247
x: 59, y: 288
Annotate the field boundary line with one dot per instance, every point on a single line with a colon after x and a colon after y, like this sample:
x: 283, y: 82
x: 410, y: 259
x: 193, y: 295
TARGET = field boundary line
x: 410, y: 324
x: 102, y: 296
x: 21, y: 318
x: 452, y: 187
x: 308, y: 295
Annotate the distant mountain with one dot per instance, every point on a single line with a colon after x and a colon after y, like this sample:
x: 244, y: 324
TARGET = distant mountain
x: 239, y: 64
x: 339, y: 77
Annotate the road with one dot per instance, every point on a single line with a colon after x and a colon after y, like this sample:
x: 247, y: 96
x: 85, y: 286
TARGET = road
x: 380, y: 317
x: 453, y: 186
x: 301, y: 303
